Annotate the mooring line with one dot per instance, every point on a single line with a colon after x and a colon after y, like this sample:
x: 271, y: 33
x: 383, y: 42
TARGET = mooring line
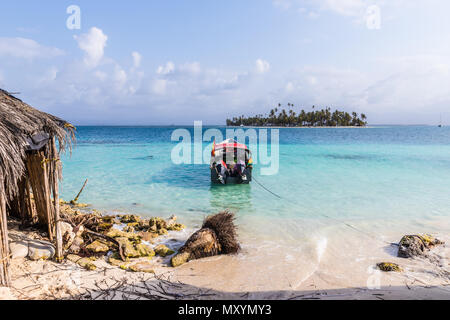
x: 328, y: 217
x: 253, y: 178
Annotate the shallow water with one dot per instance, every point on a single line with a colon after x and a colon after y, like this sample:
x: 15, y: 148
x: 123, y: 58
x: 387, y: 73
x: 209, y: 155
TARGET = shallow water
x: 380, y: 180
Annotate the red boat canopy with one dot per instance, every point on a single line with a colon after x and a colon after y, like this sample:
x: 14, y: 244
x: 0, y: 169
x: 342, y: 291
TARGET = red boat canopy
x: 230, y: 144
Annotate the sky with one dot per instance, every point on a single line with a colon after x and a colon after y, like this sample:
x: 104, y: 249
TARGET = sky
x: 173, y: 62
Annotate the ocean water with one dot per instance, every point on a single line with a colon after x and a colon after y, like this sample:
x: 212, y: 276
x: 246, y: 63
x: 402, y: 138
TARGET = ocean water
x: 378, y: 172
x: 380, y: 181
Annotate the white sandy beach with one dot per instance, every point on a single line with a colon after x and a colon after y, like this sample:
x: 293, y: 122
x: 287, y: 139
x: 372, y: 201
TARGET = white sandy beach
x: 335, y: 268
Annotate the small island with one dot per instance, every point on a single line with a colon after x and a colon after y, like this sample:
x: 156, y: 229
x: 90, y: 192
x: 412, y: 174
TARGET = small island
x: 279, y: 117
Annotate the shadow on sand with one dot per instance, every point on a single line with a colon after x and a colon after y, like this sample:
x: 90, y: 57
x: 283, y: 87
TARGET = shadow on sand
x: 162, y: 288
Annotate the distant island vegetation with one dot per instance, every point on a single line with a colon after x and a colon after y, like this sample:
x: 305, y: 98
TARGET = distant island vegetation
x: 279, y: 117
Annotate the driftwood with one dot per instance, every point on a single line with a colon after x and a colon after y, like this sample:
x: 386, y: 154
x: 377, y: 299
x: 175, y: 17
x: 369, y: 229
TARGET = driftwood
x: 79, y: 193
x: 55, y: 187
x: 99, y: 235
x: 83, y: 222
x: 217, y: 236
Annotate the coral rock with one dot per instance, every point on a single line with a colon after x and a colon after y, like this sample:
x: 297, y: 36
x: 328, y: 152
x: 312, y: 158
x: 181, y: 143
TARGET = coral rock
x: 115, y: 233
x: 389, y: 266
x: 179, y: 259
x: 40, y: 250
x: 132, y: 250
x: 176, y: 227
x: 141, y: 266
x: 416, y: 245
x: 98, y: 247
x: 147, y: 236
x: 144, y: 250
x: 163, y: 250
x: 130, y: 218
x: 129, y: 229
x: 85, y: 263
x: 18, y: 249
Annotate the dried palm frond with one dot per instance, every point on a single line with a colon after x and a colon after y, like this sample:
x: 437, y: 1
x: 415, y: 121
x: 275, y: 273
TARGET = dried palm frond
x: 18, y: 123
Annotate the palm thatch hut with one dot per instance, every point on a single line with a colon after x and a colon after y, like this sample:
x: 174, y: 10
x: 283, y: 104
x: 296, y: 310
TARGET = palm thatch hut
x: 31, y: 142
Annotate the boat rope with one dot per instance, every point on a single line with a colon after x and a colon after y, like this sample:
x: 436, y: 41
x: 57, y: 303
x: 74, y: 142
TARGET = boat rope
x: 328, y: 217
x: 262, y: 186
x: 46, y: 160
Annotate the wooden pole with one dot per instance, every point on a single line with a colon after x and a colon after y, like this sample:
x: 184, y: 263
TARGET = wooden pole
x: 39, y: 180
x: 79, y: 193
x: 47, y: 198
x: 32, y: 217
x: 4, y: 245
x: 59, y: 242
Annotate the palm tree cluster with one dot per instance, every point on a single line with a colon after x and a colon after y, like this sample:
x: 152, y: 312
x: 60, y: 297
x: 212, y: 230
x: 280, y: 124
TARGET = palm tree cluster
x: 315, y: 118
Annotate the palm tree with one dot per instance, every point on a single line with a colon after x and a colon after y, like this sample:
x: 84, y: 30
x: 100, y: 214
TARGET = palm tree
x: 322, y: 117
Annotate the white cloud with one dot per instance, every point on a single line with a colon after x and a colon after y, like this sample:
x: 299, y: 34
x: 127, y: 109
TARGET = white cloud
x: 101, y: 75
x: 415, y: 84
x: 289, y: 87
x: 137, y: 58
x: 351, y: 8
x: 192, y: 67
x: 168, y: 68
x: 411, y: 83
x: 159, y: 86
x: 26, y: 48
x: 49, y: 75
x: 262, y: 66
x: 93, y: 44
x: 355, y: 9
x: 313, y: 15
x: 120, y: 76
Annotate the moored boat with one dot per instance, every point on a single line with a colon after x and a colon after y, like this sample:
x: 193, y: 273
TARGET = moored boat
x: 231, y: 163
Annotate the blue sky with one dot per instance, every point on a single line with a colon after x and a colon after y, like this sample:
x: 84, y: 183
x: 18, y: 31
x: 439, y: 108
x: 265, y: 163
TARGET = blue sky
x: 173, y: 62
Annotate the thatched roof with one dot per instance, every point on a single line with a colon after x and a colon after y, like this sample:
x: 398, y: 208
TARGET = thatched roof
x: 19, y: 124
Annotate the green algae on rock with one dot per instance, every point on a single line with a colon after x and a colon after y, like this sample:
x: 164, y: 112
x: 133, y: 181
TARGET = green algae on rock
x: 176, y: 227
x: 179, y: 259
x: 134, y: 250
x: 85, y: 263
x: 416, y: 245
x: 163, y: 250
x: 144, y: 250
x: 147, y: 236
x: 389, y: 266
x: 98, y: 247
x: 129, y: 229
x: 107, y: 236
x: 115, y: 233
x: 129, y: 218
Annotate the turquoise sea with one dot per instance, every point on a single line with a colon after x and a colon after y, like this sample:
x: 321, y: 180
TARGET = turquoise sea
x: 356, y: 173
x: 378, y: 179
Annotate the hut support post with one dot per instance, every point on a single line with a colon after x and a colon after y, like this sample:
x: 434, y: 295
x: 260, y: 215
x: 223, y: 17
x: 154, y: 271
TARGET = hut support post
x: 18, y: 206
x: 39, y: 180
x: 59, y: 242
x: 32, y: 216
x: 4, y: 246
